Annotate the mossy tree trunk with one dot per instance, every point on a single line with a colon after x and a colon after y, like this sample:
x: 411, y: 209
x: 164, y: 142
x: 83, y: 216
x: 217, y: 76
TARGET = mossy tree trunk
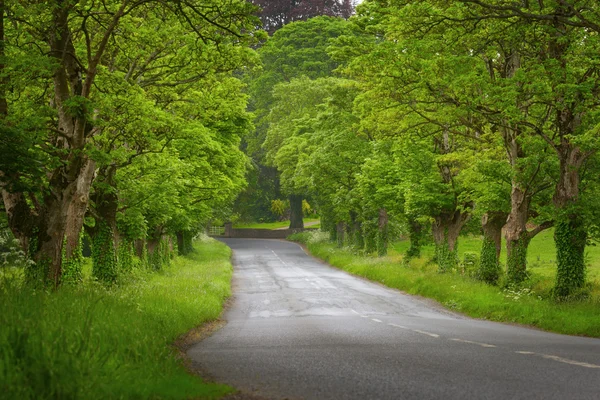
x: 570, y: 235
x: 415, y: 233
x: 296, y: 220
x: 104, y: 235
x: 489, y: 260
x: 340, y: 228
x: 446, y: 229
x: 382, y: 232
x: 184, y: 242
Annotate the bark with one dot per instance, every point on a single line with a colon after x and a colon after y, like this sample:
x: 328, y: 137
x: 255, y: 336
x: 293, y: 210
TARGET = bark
x: 491, y: 225
x: 340, y: 228
x: 446, y: 229
x: 415, y: 235
x: 3, y: 81
x: 296, y: 220
x: 382, y: 232
x: 489, y: 259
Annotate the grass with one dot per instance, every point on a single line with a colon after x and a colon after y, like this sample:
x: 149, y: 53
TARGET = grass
x: 528, y: 305
x: 92, y: 342
x: 541, y: 258
x: 271, y: 225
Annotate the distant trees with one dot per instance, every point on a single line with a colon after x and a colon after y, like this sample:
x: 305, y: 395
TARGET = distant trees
x: 275, y: 14
x: 460, y: 110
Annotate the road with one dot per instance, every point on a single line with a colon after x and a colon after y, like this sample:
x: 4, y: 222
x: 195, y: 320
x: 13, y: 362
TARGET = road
x: 299, y: 329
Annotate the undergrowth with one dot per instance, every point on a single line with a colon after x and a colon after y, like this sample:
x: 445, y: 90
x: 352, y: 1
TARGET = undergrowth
x: 93, y: 342
x: 528, y: 303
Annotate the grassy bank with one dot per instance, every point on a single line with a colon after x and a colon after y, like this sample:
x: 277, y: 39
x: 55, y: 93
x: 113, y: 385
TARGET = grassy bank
x: 529, y: 305
x: 89, y: 342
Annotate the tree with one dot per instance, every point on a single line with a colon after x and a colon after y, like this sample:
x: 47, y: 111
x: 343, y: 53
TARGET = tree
x: 298, y: 49
x: 275, y: 14
x: 78, y: 50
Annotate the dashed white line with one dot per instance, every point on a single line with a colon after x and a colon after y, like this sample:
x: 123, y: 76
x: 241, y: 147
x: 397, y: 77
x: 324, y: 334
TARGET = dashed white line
x: 364, y: 316
x: 376, y: 320
x: 435, y: 335
x: 398, y: 326
x: 560, y: 359
x: 354, y: 311
x: 475, y: 343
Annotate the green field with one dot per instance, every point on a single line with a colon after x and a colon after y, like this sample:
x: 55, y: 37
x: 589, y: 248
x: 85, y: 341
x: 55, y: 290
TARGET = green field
x: 93, y: 342
x: 541, y: 257
x: 531, y: 304
x: 272, y: 225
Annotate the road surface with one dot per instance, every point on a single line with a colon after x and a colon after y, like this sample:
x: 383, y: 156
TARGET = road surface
x: 299, y: 329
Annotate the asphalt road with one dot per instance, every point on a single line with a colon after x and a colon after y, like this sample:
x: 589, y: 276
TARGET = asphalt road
x: 299, y: 329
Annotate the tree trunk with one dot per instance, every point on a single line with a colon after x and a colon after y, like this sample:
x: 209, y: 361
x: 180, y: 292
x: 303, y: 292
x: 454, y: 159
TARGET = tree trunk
x: 570, y: 235
x: 184, y: 242
x: 382, y: 232
x: 415, y: 236
x: 446, y: 229
x: 517, y: 237
x: 296, y: 220
x: 489, y: 264
x: 105, y: 239
x: 340, y: 228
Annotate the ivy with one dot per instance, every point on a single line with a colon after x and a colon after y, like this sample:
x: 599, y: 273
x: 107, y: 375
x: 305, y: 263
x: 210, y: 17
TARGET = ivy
x: 370, y: 238
x: 516, y: 262
x: 570, y: 238
x: 489, y: 265
x: 36, y: 273
x: 447, y: 259
x: 382, y: 241
x: 125, y: 255
x: 104, y: 257
x: 72, y: 266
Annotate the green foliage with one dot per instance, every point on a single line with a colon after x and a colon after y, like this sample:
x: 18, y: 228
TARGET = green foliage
x: 570, y: 238
x: 489, y: 265
x: 446, y: 259
x: 516, y: 261
x: 92, y: 342
x: 104, y: 256
x: 72, y: 266
x: 470, y: 263
x: 382, y: 240
x: 125, y: 256
x: 280, y: 207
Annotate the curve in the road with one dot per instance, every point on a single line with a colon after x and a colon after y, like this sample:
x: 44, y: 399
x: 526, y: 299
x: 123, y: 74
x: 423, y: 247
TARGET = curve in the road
x: 299, y: 328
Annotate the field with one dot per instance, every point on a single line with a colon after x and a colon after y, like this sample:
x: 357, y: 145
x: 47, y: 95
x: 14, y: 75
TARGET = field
x: 541, y: 258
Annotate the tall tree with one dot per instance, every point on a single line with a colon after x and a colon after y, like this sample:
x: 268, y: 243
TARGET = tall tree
x: 275, y: 14
x: 76, y: 46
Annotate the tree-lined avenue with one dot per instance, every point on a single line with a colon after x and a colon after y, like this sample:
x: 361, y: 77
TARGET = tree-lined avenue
x: 301, y: 329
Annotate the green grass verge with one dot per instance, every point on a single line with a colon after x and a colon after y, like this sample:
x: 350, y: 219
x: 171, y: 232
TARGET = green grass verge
x: 271, y: 225
x: 462, y: 293
x: 89, y: 342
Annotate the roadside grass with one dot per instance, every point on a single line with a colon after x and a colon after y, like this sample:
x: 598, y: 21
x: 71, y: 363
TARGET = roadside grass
x: 270, y: 225
x: 92, y: 342
x: 528, y: 305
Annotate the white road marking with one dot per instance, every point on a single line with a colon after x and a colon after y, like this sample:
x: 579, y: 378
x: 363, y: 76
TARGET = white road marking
x: 471, y: 342
x: 279, y: 258
x: 560, y: 359
x: 354, y: 311
x: 376, y: 320
x: 398, y: 326
x: 435, y: 335
x: 364, y: 316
